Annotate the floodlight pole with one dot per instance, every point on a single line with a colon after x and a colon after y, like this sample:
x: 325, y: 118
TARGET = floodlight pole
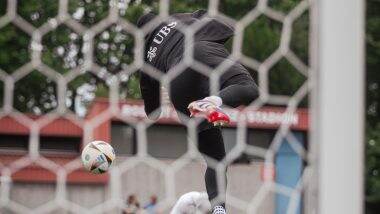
x: 339, y: 97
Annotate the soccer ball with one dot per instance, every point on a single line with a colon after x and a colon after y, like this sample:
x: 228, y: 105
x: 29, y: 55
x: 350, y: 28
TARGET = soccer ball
x: 97, y: 157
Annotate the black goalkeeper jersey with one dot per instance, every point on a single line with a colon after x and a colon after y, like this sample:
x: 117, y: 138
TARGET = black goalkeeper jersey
x: 168, y: 37
x: 164, y: 48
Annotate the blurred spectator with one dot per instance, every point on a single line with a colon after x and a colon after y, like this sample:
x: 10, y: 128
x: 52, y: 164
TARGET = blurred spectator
x: 133, y: 206
x: 150, y: 208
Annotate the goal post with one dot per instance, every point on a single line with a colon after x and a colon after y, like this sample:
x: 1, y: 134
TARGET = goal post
x: 339, y: 98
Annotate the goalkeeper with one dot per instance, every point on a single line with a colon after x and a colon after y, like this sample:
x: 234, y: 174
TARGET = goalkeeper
x: 189, y: 91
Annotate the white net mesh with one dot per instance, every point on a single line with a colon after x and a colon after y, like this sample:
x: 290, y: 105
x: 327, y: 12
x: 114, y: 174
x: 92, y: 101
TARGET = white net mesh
x: 142, y: 174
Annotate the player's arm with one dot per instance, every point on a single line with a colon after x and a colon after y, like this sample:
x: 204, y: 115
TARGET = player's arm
x: 150, y: 91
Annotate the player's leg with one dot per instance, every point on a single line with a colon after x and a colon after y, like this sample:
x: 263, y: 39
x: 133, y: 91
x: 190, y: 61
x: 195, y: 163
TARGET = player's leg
x: 185, y: 88
x: 210, y: 144
x: 237, y: 86
x: 238, y: 90
x: 235, y: 91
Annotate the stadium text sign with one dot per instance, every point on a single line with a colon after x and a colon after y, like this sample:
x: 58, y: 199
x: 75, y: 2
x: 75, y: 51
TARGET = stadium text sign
x: 263, y: 118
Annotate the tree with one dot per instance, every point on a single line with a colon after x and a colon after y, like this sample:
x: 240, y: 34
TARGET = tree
x: 62, y: 47
x: 373, y: 107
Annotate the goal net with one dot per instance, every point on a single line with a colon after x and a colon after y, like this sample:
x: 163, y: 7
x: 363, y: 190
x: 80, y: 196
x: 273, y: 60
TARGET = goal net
x: 69, y: 74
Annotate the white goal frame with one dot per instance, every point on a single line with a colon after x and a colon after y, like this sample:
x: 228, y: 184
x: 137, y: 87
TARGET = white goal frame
x: 338, y: 95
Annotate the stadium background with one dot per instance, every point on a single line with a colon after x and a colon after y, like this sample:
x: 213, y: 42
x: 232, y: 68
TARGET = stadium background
x: 36, y: 93
x: 61, y: 140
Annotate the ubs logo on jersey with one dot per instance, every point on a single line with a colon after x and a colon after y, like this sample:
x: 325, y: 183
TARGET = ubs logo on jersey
x: 151, y: 53
x: 158, y: 39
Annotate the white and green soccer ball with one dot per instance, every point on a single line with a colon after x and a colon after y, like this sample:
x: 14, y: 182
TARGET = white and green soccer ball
x: 97, y: 157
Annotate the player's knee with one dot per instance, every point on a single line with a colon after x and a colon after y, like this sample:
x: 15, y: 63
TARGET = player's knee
x: 250, y: 93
